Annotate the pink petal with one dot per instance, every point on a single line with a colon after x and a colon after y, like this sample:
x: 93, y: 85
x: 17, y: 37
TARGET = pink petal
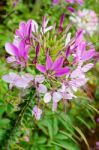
x: 88, y: 55
x: 58, y: 63
x: 49, y: 62
x: 11, y: 49
x: 62, y: 71
x: 41, y: 68
x: 28, y: 28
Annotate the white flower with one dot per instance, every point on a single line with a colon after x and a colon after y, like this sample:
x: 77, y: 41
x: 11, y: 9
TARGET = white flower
x: 17, y: 80
x: 86, y: 19
x: 37, y: 112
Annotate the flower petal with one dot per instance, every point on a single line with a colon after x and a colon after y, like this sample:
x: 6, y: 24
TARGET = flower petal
x: 87, y: 67
x: 37, y: 112
x: 47, y: 97
x: 41, y: 68
x: 62, y: 71
x: 56, y: 97
x: 11, y: 49
x: 49, y: 62
x: 39, y: 79
x: 42, y: 88
x: 58, y: 63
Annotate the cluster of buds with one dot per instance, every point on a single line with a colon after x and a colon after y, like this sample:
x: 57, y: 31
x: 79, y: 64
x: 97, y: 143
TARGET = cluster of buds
x: 58, y: 60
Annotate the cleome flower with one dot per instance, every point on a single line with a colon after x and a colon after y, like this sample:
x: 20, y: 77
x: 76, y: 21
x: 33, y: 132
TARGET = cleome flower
x: 53, y: 68
x: 19, y: 53
x: 86, y: 19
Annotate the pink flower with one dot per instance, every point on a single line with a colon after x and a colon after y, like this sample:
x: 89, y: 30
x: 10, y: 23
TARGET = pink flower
x: 79, y: 49
x: 37, y: 112
x: 19, y: 54
x: 25, y: 31
x: 53, y: 68
x: 18, y: 81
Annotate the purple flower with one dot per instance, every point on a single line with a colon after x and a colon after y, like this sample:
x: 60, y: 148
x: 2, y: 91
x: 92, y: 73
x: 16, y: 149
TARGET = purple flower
x: 37, y: 112
x: 25, y: 31
x: 53, y: 68
x: 79, y: 49
x: 18, y: 54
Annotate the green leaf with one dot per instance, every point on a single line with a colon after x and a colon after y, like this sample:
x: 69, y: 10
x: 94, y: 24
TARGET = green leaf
x: 83, y: 137
x: 66, y: 144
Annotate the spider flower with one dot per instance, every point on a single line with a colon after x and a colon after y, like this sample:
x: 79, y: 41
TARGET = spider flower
x: 25, y: 30
x: 19, y: 55
x: 86, y: 19
x: 53, y: 68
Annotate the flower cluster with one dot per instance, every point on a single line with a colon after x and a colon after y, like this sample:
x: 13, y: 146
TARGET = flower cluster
x: 86, y: 19
x: 57, y: 74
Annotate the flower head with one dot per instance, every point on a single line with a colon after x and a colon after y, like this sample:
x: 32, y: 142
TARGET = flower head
x: 18, y: 54
x: 86, y: 19
x: 53, y: 68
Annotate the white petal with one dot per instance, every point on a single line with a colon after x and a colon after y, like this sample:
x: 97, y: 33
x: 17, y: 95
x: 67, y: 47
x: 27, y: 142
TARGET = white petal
x: 47, y: 98
x: 34, y: 26
x: 68, y: 38
x: 42, y: 88
x: 57, y: 97
x: 87, y: 67
x: 28, y: 77
x: 39, y: 79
